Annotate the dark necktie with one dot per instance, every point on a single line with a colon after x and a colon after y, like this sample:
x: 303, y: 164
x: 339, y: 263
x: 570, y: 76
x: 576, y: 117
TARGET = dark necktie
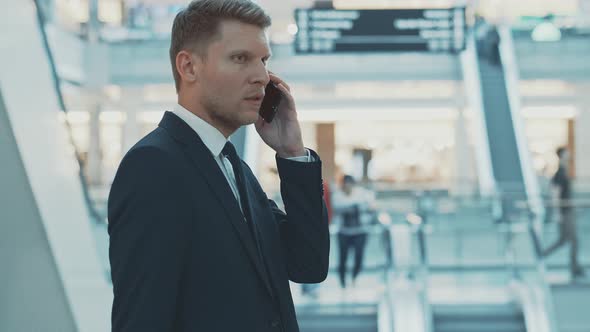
x: 230, y: 152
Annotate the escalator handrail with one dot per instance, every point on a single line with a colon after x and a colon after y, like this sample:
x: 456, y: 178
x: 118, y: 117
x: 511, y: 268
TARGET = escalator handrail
x: 422, y: 278
x: 41, y: 20
x: 471, y: 79
x: 534, y: 199
x: 511, y: 74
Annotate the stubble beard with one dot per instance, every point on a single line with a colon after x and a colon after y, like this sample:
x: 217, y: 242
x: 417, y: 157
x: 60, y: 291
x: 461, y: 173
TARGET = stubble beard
x: 219, y: 115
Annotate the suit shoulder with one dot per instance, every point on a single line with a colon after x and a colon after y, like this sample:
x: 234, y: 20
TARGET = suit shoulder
x: 155, y: 153
x: 151, y: 167
x: 158, y: 138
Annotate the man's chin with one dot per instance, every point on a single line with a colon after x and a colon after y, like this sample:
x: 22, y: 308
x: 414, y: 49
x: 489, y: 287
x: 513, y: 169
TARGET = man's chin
x: 249, y: 117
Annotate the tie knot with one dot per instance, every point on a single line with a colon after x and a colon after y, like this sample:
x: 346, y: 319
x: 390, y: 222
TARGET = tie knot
x: 229, y: 150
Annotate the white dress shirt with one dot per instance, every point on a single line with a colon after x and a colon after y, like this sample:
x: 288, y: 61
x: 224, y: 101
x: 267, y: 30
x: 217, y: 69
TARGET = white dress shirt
x: 215, y: 141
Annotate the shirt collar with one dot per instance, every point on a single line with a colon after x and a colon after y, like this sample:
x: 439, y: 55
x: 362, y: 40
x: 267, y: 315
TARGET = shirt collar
x: 211, y: 136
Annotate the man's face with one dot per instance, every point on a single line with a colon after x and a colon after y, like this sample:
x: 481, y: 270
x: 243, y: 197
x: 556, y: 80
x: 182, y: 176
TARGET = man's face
x: 347, y: 186
x: 233, y: 75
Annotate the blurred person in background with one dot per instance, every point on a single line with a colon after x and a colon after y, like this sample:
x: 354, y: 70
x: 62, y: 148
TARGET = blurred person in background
x: 567, y: 220
x: 493, y: 40
x: 544, y: 177
x: 488, y: 40
x: 352, y: 207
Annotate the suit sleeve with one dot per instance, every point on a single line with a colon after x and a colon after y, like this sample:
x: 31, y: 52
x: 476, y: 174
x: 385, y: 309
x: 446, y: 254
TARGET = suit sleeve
x: 304, y: 227
x: 149, y: 217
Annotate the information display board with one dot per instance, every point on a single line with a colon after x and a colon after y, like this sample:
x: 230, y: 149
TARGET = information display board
x: 394, y: 30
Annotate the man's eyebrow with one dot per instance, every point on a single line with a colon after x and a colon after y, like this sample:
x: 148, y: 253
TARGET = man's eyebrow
x: 240, y: 51
x: 249, y: 53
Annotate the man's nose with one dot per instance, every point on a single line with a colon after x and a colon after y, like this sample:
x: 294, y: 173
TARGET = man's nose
x: 260, y: 74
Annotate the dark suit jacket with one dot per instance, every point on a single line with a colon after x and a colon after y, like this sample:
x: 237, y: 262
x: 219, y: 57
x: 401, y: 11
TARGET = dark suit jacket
x: 182, y: 257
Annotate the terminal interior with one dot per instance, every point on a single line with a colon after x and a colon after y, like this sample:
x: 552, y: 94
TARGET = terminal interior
x: 459, y: 152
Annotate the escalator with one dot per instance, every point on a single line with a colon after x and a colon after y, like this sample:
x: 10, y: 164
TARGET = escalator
x: 505, y: 158
x: 49, y: 258
x: 490, y: 74
x: 478, y: 318
x: 502, y: 131
x: 338, y: 318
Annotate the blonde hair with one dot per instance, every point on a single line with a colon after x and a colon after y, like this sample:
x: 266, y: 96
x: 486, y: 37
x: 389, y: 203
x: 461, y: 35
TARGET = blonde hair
x: 196, y: 26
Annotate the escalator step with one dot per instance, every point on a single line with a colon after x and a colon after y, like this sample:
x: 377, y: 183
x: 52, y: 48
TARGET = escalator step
x: 338, y: 318
x: 478, y: 318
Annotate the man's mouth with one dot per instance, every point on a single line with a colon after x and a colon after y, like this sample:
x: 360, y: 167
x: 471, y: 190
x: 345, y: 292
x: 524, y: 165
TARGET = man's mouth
x: 257, y: 97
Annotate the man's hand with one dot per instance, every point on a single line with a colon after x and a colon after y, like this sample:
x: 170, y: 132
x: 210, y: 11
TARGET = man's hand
x: 283, y: 134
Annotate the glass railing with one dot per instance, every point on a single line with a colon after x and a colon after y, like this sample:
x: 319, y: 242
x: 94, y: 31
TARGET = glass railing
x: 474, y: 232
x: 358, y: 282
x: 485, y: 246
x: 368, y: 261
x: 491, y: 246
x: 581, y: 187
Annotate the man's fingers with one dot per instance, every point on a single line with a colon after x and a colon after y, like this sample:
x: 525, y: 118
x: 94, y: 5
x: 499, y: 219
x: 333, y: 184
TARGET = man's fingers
x: 286, y: 93
x: 278, y: 80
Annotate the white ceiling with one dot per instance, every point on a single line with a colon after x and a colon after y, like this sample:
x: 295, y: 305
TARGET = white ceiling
x: 281, y: 11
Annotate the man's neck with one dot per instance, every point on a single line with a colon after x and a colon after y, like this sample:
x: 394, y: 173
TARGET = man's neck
x: 203, y: 115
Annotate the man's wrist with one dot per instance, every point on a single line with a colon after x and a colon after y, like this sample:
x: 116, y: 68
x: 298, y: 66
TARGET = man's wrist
x: 299, y: 152
x: 307, y: 158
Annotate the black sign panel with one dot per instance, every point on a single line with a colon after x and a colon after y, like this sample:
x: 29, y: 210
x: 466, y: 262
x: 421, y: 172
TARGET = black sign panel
x: 403, y: 30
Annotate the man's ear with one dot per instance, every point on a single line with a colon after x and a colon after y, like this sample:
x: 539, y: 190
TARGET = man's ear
x: 188, y: 65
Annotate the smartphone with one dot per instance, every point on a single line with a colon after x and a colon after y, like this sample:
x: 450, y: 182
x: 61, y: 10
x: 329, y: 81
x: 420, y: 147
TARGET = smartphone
x: 271, y: 102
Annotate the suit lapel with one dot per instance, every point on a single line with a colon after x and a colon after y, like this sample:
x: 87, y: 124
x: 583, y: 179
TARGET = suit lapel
x: 265, y: 232
x: 205, y: 162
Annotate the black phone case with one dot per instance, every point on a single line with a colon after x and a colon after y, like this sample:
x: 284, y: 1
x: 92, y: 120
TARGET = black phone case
x: 270, y: 103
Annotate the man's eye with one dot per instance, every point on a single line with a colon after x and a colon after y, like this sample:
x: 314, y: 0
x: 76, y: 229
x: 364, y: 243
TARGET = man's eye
x: 240, y: 58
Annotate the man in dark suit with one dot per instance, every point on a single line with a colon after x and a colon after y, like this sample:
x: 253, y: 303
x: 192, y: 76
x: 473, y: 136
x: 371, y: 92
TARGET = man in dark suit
x: 195, y: 244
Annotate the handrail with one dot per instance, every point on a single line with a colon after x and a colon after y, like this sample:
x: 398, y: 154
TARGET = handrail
x: 384, y: 319
x: 385, y: 310
x: 409, y: 287
x: 471, y: 79
x: 60, y: 99
x: 511, y: 74
x: 542, y: 297
x: 422, y: 275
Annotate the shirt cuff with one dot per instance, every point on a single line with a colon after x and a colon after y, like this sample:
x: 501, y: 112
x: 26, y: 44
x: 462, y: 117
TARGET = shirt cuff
x: 304, y: 159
